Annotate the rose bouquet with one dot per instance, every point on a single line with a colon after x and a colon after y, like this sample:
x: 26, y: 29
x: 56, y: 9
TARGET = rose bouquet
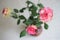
x: 38, y: 15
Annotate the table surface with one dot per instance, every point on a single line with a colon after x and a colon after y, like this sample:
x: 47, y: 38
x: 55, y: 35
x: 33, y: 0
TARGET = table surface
x: 9, y: 30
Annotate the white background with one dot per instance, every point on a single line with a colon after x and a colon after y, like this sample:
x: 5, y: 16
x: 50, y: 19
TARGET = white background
x: 9, y: 30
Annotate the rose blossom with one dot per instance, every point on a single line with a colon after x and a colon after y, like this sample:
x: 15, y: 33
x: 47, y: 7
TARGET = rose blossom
x: 45, y: 14
x: 6, y: 11
x: 31, y: 29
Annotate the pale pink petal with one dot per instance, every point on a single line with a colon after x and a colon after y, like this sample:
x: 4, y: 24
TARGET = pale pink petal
x: 46, y: 14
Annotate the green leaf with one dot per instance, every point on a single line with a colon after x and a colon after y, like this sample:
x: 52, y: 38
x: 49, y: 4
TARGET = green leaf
x: 24, y: 21
x: 36, y: 20
x: 14, y: 15
x: 22, y: 10
x: 33, y: 10
x: 18, y: 21
x: 40, y: 5
x: 45, y: 26
x: 29, y: 2
x: 39, y: 24
x: 28, y: 22
x: 34, y: 13
x: 23, y: 33
x: 33, y: 7
x: 16, y: 10
x: 22, y: 17
x: 31, y: 17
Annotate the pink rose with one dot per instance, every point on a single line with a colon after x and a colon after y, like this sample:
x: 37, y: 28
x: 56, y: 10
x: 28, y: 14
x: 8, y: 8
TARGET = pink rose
x: 31, y: 29
x: 45, y: 14
x: 6, y: 11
